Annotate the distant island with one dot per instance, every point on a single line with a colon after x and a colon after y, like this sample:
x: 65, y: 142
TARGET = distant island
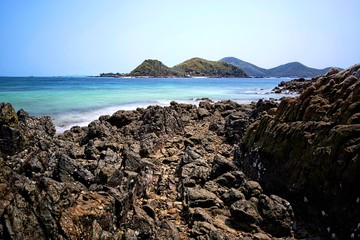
x: 293, y: 69
x: 195, y: 67
x: 228, y: 67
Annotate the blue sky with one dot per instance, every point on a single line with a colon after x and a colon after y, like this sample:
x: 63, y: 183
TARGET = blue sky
x: 87, y: 37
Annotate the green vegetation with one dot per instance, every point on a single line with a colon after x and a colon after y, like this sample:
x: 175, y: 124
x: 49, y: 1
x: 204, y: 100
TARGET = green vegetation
x: 198, y: 67
x: 228, y: 67
x: 195, y: 67
x: 154, y: 68
x: 113, y: 74
x: 296, y: 69
x: 250, y: 69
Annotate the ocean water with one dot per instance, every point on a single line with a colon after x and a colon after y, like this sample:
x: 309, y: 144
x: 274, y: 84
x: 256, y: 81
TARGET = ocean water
x: 79, y: 100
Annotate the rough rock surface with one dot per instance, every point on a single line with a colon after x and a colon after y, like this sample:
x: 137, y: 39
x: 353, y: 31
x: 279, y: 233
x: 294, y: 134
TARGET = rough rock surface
x: 294, y: 86
x: 309, y: 151
x: 154, y: 173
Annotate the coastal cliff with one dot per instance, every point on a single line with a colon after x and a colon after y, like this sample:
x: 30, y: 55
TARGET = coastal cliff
x: 307, y: 150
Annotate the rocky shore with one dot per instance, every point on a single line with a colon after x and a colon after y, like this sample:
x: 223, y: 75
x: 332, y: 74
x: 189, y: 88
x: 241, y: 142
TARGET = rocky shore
x: 308, y: 151
x: 294, y: 86
x: 217, y: 171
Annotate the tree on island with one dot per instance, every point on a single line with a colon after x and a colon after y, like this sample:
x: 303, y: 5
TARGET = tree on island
x: 112, y: 74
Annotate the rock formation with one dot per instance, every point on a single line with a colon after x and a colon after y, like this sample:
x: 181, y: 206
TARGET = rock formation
x: 293, y: 86
x: 308, y: 150
x: 154, y: 173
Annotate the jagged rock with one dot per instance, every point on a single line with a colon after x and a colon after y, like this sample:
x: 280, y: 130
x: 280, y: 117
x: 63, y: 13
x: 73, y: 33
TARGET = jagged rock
x: 98, y: 129
x: 161, y: 121
x: 155, y: 173
x: 271, y: 214
x: 122, y: 118
x: 294, y: 86
x: 221, y: 165
x: 251, y: 189
x: 8, y: 115
x: 261, y: 236
x: 16, y: 218
x: 148, y: 144
x: 199, y: 214
x: 77, y: 221
x: 65, y: 169
x: 245, y: 214
x: 277, y: 215
x: 231, y: 196
x: 205, y: 230
x: 11, y: 140
x: 200, y: 197
x: 202, y: 112
x: 198, y: 170
x: 168, y: 231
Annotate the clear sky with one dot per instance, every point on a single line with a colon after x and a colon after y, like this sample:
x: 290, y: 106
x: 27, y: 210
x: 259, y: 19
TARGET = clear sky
x: 87, y: 37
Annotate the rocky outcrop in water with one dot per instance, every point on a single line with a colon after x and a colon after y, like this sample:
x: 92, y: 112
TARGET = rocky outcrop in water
x: 293, y: 86
x: 308, y: 150
x: 155, y: 173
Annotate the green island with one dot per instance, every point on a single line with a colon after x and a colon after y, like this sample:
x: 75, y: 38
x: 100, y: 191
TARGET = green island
x: 195, y: 67
x: 228, y: 67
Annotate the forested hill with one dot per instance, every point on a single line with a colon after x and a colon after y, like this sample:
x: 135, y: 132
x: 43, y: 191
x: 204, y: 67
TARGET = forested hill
x: 195, y: 67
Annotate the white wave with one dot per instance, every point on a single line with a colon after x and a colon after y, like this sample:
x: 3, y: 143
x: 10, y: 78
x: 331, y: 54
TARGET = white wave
x: 67, y: 120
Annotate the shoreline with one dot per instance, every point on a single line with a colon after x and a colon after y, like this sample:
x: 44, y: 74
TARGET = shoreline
x: 95, y: 114
x: 68, y: 99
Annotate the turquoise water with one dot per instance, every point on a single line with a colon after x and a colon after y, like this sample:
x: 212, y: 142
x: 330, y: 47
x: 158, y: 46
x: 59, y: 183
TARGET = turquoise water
x: 79, y: 100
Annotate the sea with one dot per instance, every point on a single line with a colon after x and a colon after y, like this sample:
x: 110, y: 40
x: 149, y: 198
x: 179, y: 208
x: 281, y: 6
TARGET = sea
x: 71, y: 101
